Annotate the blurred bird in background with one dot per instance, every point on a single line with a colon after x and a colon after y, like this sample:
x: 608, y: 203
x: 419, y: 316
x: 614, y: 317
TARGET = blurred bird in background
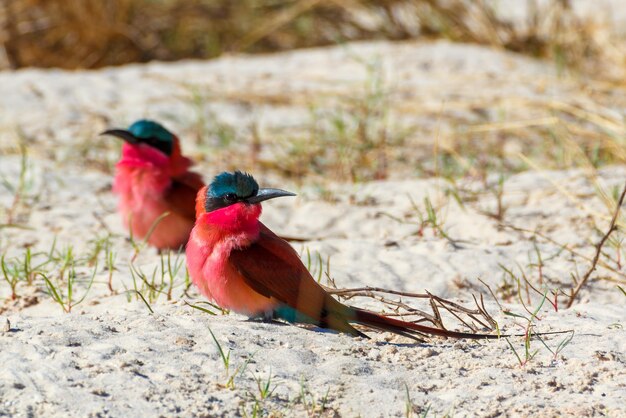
x: 156, y: 190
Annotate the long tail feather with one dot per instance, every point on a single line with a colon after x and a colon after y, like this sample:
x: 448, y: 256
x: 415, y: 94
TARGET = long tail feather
x: 409, y: 329
x: 403, y: 328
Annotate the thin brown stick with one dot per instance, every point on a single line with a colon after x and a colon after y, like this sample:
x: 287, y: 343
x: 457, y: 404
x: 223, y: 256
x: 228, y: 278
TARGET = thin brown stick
x: 612, y: 227
x: 101, y: 221
x: 340, y: 292
x: 464, y: 315
x: 296, y: 239
x: 568, y: 249
x: 493, y: 295
x: 397, y: 305
x: 484, y: 313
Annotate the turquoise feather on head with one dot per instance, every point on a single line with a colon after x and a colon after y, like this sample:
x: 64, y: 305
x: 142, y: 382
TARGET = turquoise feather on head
x: 145, y: 128
x: 153, y: 134
x: 237, y: 183
x: 229, y: 188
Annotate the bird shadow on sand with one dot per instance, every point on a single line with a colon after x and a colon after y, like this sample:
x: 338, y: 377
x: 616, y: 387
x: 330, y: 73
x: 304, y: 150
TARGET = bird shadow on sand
x: 318, y: 330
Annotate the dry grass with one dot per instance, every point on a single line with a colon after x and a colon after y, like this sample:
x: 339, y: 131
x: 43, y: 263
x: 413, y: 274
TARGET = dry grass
x: 93, y: 33
x: 353, y: 136
x: 378, y: 130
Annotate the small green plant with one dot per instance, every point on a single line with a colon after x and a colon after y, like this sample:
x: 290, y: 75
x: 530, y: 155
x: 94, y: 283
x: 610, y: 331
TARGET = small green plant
x: 410, y: 408
x: 225, y: 356
x: 309, y: 401
x: 429, y: 216
x: 530, y: 353
x: 498, y: 193
x: 110, y: 266
x: 560, y: 346
x: 100, y: 244
x: 24, y: 184
x: 265, y: 385
x: 539, y: 264
x: 257, y: 410
x: 66, y: 299
x: 265, y: 391
x: 12, y: 276
x: 206, y: 310
x: 432, y: 218
x: 144, y: 284
x: 316, y: 266
x: 172, y: 268
x: 143, y: 299
x: 515, y: 289
x: 161, y: 282
x: 25, y: 269
x: 408, y: 404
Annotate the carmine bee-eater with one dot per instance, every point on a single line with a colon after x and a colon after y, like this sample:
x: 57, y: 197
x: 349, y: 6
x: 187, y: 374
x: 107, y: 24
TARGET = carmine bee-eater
x: 240, y: 264
x: 156, y: 190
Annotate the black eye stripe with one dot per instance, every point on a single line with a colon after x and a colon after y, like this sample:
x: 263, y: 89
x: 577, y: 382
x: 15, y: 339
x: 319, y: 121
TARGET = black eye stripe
x: 164, y: 146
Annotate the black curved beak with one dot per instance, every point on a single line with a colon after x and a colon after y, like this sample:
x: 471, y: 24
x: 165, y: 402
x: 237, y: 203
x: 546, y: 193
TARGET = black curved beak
x: 122, y: 134
x: 265, y: 194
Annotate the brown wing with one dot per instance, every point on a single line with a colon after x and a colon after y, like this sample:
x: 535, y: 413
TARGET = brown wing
x: 181, y: 196
x: 271, y: 267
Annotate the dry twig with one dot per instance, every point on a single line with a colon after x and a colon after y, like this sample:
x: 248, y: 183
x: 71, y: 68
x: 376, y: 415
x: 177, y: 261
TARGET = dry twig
x: 472, y: 318
x: 567, y: 248
x: 612, y: 227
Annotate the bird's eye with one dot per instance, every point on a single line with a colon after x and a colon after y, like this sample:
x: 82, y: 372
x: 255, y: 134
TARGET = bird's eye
x: 230, y: 197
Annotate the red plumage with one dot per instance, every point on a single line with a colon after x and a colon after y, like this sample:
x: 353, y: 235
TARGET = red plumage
x: 241, y: 265
x: 149, y: 184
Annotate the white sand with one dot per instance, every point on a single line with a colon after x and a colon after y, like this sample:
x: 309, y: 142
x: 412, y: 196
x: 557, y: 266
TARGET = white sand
x: 111, y: 357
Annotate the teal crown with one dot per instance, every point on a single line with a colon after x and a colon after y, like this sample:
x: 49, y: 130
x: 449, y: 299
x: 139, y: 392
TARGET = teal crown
x: 153, y: 134
x: 236, y: 183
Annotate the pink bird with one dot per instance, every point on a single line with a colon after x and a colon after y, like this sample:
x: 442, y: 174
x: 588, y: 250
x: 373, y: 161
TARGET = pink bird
x: 156, y: 190
x: 240, y: 264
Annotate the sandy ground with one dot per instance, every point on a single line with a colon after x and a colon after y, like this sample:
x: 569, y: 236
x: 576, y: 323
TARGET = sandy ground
x: 111, y: 357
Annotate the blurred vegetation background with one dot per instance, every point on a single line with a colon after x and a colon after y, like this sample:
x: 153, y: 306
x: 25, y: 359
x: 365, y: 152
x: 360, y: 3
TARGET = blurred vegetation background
x: 95, y: 33
x: 370, y: 131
